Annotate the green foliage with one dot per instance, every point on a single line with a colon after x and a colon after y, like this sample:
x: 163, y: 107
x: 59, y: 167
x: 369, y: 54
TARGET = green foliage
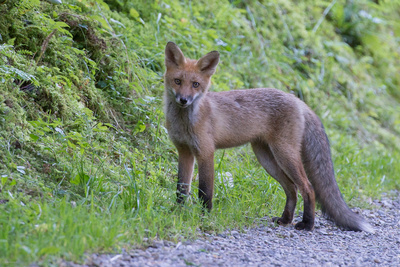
x: 85, y: 162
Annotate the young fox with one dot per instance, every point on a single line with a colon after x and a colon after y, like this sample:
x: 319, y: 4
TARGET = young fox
x: 287, y: 138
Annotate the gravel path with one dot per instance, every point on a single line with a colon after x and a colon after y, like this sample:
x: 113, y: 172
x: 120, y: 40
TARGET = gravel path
x: 268, y: 245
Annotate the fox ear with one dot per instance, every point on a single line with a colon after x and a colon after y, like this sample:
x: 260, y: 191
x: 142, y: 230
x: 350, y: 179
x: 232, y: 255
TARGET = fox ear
x: 208, y: 63
x: 173, y: 55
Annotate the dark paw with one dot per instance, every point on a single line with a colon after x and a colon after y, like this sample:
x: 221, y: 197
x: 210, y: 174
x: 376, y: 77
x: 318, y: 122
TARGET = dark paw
x: 181, y: 197
x: 206, y: 203
x: 280, y: 221
x: 304, y: 226
x: 207, y: 207
x: 180, y: 200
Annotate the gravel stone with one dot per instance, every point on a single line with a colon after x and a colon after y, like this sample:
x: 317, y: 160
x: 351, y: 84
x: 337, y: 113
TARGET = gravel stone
x: 270, y: 245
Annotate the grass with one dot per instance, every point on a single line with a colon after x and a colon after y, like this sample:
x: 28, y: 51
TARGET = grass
x: 67, y: 228
x: 142, y: 211
x: 85, y: 161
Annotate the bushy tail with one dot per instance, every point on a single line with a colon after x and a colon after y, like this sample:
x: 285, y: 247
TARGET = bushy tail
x: 319, y: 168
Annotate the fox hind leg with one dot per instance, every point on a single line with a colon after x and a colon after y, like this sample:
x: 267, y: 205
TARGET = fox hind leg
x: 267, y: 160
x: 289, y: 159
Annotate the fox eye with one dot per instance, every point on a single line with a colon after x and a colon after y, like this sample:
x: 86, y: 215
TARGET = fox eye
x: 196, y: 84
x: 178, y: 82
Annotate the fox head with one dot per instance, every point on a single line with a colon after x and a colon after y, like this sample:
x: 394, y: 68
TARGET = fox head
x: 185, y: 79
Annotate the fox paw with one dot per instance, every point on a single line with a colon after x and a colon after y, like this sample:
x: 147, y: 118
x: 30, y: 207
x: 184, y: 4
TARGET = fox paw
x: 280, y: 221
x: 304, y: 226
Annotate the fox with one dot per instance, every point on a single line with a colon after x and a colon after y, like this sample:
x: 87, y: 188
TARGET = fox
x: 286, y: 136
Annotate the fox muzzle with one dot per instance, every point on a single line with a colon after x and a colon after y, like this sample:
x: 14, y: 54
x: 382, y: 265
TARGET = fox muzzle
x: 183, y: 101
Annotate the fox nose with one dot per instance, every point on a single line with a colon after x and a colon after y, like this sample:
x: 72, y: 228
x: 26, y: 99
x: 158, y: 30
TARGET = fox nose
x: 183, y: 100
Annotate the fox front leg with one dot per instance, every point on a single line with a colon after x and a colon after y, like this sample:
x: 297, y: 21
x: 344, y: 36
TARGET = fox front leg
x: 206, y: 179
x: 185, y: 171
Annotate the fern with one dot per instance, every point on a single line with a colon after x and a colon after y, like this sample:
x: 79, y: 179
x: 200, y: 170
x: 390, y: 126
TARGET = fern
x: 26, y: 6
x: 8, y: 72
x: 25, y: 52
x: 11, y: 72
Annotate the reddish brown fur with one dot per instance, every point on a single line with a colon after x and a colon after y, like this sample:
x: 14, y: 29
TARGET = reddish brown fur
x: 286, y: 136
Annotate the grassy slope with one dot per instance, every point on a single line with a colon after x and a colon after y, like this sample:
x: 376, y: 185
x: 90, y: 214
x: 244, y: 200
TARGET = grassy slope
x: 85, y: 162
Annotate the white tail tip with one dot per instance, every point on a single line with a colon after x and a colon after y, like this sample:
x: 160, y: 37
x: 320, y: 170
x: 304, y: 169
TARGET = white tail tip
x: 367, y: 227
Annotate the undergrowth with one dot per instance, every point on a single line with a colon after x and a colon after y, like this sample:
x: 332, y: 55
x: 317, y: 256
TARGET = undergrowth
x: 85, y: 162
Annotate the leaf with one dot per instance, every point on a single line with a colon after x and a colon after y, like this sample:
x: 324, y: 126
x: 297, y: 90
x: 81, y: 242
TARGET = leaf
x: 57, y: 2
x: 21, y: 74
x: 75, y: 180
x: 101, y: 127
x: 117, y: 22
x: 80, y: 178
x: 61, y: 24
x: 78, y: 51
x: 140, y: 127
x: 59, y: 130
x: 49, y: 250
x: 4, y: 180
x: 71, y: 145
x: 134, y: 14
x: 102, y: 21
x: 21, y: 169
x: 396, y: 29
x: 73, y: 7
x: 26, y: 249
x: 372, y: 41
x: 34, y: 137
x: 110, y: 125
x: 47, y: 129
x: 11, y: 41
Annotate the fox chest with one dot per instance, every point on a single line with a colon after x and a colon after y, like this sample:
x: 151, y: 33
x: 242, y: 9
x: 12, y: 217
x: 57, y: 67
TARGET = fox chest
x: 182, y: 133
